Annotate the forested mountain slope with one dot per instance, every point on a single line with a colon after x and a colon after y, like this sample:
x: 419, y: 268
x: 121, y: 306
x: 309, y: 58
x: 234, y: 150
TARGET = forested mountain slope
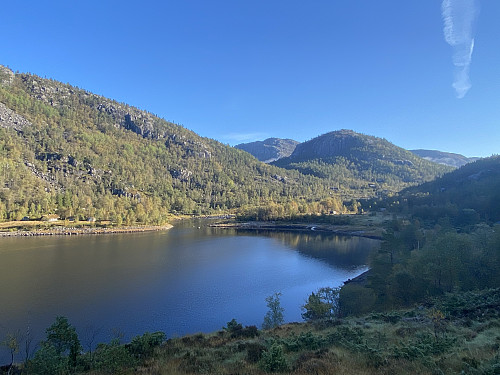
x: 360, y: 162
x: 65, y: 150
x: 466, y: 195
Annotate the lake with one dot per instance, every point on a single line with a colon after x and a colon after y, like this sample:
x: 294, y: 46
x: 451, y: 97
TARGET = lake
x: 189, y: 279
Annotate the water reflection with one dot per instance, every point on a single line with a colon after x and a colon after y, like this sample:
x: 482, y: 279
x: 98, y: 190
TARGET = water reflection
x: 339, y: 251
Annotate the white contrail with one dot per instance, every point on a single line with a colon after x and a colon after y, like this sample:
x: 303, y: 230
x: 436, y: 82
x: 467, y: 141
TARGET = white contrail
x: 459, y: 17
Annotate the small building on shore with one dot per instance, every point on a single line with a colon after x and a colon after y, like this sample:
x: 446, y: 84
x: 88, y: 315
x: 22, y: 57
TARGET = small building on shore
x: 50, y: 218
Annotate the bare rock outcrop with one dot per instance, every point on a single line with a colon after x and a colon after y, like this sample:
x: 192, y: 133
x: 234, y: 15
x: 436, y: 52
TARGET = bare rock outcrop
x: 11, y: 120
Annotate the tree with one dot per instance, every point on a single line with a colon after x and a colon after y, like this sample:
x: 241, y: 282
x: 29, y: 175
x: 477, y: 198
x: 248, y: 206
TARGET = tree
x: 324, y: 304
x: 274, y: 317
x: 273, y: 360
x: 63, y: 337
x: 11, y: 342
x: 47, y: 361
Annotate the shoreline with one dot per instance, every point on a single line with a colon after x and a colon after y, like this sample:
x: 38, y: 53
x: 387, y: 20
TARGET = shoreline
x: 342, y: 230
x: 67, y: 231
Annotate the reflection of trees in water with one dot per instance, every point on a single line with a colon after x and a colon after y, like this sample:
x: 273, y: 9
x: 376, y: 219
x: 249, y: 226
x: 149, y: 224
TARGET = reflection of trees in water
x: 340, y: 251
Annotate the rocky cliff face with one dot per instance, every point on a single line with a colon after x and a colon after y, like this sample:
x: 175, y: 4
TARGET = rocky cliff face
x: 9, y: 119
x: 6, y: 75
x: 270, y: 149
x: 445, y: 158
x: 63, y: 96
x: 337, y: 143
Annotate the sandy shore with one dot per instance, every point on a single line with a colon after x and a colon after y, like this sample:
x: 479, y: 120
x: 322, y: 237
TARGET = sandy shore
x: 65, y: 231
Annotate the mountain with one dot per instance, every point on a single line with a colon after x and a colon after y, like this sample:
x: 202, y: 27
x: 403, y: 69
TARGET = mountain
x: 467, y: 194
x: 354, y: 161
x: 270, y: 149
x: 445, y: 158
x: 65, y: 150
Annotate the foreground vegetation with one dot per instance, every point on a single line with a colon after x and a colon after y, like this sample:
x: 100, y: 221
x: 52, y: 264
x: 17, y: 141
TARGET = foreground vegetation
x: 458, y: 333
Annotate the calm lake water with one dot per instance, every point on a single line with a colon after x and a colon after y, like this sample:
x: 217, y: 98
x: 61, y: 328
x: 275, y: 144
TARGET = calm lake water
x: 189, y: 279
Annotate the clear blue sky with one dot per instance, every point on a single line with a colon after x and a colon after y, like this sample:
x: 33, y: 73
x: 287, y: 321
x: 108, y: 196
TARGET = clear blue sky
x: 244, y: 70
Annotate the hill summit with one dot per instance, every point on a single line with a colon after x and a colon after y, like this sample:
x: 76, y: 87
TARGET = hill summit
x: 358, y: 161
x: 445, y: 158
x: 270, y: 149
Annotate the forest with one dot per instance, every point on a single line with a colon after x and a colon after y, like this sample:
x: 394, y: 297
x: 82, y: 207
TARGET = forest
x: 67, y: 152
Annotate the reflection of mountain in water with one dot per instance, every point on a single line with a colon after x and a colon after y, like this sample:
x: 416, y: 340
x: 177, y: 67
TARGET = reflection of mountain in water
x: 340, y: 251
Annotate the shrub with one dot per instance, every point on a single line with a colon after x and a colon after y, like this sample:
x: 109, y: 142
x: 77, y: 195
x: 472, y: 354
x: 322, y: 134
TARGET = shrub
x: 254, y: 352
x: 273, y: 360
x: 235, y: 329
x: 305, y: 341
x: 143, y: 346
x: 113, y: 358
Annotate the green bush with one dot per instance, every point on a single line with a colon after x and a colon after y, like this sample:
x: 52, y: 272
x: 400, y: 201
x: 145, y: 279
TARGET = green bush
x: 113, y: 358
x: 254, y: 352
x: 307, y: 341
x: 143, y: 346
x: 273, y: 360
x: 235, y: 329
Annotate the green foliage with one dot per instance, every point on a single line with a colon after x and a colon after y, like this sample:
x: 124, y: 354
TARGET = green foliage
x: 479, y: 305
x: 274, y: 317
x: 273, y: 360
x: 346, y: 336
x: 254, y: 352
x: 305, y: 341
x: 415, y: 263
x: 324, y: 304
x: 233, y: 326
x: 463, y: 197
x: 62, y: 336
x: 235, y: 329
x: 422, y: 346
x: 143, y: 346
x: 113, y: 358
x: 48, y: 361
x: 60, y: 352
x: 356, y: 299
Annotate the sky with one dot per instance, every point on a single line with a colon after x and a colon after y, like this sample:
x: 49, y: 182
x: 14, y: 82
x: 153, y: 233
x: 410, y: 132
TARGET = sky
x: 421, y: 74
